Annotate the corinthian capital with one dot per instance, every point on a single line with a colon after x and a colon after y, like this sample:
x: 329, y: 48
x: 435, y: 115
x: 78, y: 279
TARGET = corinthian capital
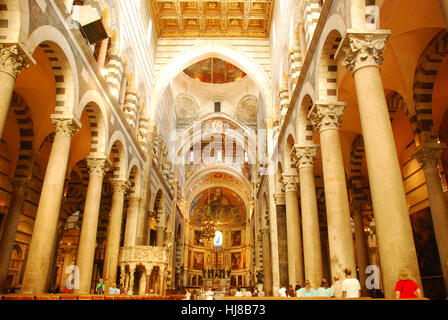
x: 265, y: 232
x: 279, y: 199
x: 120, y: 186
x: 429, y: 154
x: 98, y: 166
x: 133, y: 201
x: 20, y: 185
x: 304, y: 156
x: 326, y: 116
x: 12, y: 61
x: 290, y: 182
x: 65, y: 126
x: 363, y: 49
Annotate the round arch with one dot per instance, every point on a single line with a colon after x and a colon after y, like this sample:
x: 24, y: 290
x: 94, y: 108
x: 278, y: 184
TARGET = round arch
x: 204, y: 51
x: 117, y: 149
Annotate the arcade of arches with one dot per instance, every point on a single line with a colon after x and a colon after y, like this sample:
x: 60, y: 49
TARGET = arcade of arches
x: 168, y: 144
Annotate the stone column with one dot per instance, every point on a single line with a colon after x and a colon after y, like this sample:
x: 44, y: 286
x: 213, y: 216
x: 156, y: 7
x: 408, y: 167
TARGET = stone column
x: 20, y: 189
x: 131, y: 278
x: 294, y: 234
x: 87, y: 238
x: 310, y: 218
x: 428, y: 155
x: 267, y: 265
x: 361, y: 244
x: 119, y: 188
x: 130, y: 234
x: 160, y: 235
x: 326, y: 117
x: 11, y: 63
x: 395, y: 239
x: 42, y: 242
x: 282, y: 241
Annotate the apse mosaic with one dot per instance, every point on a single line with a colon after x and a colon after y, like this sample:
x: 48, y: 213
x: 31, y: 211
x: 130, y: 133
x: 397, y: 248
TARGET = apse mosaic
x: 214, y: 70
x: 220, y: 204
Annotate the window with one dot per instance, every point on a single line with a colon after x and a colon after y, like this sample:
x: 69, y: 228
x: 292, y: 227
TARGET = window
x: 217, y: 106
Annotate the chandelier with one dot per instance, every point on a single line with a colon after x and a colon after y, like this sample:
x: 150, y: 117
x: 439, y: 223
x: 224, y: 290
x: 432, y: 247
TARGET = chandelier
x: 207, y: 231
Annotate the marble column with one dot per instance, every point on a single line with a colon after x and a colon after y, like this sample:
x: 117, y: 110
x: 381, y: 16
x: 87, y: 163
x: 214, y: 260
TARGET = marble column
x: 293, y: 230
x: 11, y: 63
x: 267, y: 264
x: 305, y: 156
x: 130, y: 234
x: 131, y: 278
x: 20, y: 189
x: 361, y: 54
x: 160, y: 237
x: 326, y: 117
x: 47, y: 216
x: 428, y: 155
x: 361, y: 244
x: 119, y: 188
x: 87, y: 238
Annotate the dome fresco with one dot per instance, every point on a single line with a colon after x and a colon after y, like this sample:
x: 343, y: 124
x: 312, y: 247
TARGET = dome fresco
x: 222, y: 71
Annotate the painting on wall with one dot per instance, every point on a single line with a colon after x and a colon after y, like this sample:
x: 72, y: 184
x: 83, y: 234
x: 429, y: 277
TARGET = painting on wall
x: 197, y: 238
x: 236, y: 238
x: 198, y: 260
x: 235, y: 261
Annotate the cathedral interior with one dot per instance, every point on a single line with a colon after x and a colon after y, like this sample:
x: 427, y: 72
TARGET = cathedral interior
x: 225, y: 144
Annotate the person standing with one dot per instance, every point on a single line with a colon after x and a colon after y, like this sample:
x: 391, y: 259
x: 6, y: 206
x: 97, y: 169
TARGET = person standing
x: 337, y: 287
x: 307, y: 291
x: 282, y: 291
x: 406, y: 288
x: 324, y: 290
x: 100, y: 287
x: 351, y: 288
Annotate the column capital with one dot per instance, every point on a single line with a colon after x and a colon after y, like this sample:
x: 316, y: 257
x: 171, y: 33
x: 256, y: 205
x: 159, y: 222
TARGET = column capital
x: 428, y: 154
x: 120, y: 186
x: 304, y: 156
x: 65, y: 126
x: 290, y: 182
x: 279, y: 199
x: 13, y: 60
x: 362, y: 49
x: 133, y: 201
x: 98, y: 166
x: 327, y: 115
x: 20, y: 185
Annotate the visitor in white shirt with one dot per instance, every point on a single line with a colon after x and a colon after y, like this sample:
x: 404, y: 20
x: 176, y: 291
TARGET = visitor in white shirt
x: 282, y: 291
x: 351, y: 287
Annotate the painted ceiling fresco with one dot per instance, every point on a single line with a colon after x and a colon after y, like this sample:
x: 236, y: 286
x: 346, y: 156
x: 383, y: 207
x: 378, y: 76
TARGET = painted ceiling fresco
x: 214, y: 70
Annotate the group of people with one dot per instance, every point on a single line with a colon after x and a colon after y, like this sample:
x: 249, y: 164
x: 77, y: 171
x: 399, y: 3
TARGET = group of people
x: 249, y: 293
x: 101, y: 288
x: 350, y: 288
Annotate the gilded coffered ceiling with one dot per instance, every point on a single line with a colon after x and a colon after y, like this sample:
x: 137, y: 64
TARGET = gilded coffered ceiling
x: 219, y: 18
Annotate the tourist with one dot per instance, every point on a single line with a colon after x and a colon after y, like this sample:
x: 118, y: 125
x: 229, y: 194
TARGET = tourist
x: 324, y: 290
x: 307, y: 291
x: 337, y: 286
x: 282, y: 291
x: 261, y: 293
x: 290, y: 292
x: 210, y: 293
x: 255, y: 294
x: 406, y: 288
x: 188, y: 295
x: 238, y: 292
x: 100, y: 287
x: 113, y: 289
x: 351, y: 288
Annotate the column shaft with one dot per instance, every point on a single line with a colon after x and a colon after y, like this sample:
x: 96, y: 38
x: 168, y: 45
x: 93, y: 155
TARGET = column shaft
x: 10, y: 228
x: 160, y: 235
x: 310, y: 225
x: 42, y: 242
x: 130, y: 234
x: 295, y: 259
x: 267, y: 263
x: 114, y: 233
x: 338, y: 213
x: 395, y: 238
x: 87, y: 238
x: 103, y: 53
x: 361, y: 247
